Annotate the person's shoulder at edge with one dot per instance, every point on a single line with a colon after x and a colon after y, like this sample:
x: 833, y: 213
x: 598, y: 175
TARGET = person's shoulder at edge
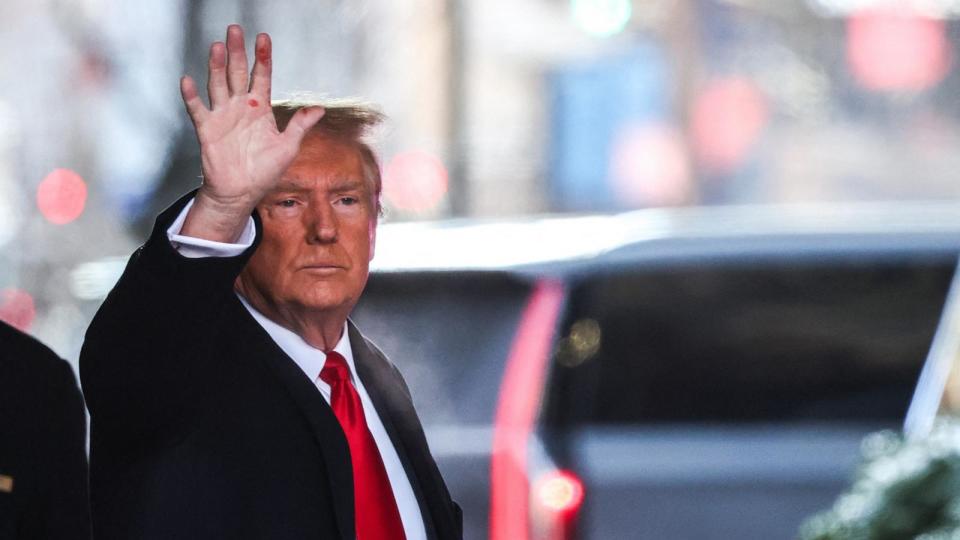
x: 18, y: 348
x: 31, y: 372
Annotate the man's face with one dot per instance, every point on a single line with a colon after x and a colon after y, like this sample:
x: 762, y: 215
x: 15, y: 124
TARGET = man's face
x: 319, y: 230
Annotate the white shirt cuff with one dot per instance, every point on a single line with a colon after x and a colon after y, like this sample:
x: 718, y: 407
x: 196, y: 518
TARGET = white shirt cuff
x: 195, y: 248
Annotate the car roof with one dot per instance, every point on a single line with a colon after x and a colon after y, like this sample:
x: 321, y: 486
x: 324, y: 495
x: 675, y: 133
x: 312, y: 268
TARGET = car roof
x: 564, y: 245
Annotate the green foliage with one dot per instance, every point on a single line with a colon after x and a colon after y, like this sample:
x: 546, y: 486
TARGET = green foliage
x: 904, y: 489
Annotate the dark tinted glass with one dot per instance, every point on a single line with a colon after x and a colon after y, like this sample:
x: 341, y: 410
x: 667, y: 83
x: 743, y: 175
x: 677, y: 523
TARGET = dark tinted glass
x: 448, y: 334
x: 768, y: 342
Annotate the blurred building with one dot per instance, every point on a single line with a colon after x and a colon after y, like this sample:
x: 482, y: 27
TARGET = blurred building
x: 496, y: 108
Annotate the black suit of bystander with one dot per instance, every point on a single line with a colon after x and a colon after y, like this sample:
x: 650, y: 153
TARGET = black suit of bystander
x: 43, y: 461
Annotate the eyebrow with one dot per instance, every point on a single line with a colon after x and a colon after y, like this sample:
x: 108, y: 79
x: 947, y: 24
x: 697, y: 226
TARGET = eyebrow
x: 288, y: 185
x: 339, y: 184
x: 346, y: 184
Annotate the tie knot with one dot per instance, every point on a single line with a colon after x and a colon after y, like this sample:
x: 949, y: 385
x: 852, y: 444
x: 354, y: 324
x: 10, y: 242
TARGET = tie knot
x: 334, y: 369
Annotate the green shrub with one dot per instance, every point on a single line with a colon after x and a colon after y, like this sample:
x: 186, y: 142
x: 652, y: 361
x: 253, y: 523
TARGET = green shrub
x: 904, y: 488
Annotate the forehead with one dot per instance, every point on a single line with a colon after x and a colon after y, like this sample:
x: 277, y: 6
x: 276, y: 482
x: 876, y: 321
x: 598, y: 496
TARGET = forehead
x: 324, y: 158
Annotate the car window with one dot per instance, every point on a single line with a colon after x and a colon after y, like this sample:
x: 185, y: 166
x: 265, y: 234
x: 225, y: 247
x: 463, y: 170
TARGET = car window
x: 448, y: 334
x: 815, y: 341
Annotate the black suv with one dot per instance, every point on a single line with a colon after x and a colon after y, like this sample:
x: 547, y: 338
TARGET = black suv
x: 679, y: 374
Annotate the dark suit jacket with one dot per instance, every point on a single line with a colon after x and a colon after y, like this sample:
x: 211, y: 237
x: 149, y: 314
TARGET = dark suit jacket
x: 202, y: 427
x: 43, y: 437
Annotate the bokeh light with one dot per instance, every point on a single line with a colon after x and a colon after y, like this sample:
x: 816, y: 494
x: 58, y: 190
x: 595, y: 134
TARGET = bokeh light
x: 415, y: 181
x: 560, y: 491
x: 17, y: 308
x: 602, y: 17
x: 649, y: 166
x: 727, y: 119
x: 62, y: 196
x: 891, y: 49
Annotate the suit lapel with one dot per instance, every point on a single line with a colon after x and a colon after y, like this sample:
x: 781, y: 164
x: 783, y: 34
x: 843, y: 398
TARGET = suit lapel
x: 325, y: 427
x: 397, y: 414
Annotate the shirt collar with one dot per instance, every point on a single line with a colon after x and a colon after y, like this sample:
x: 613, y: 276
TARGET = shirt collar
x: 307, y: 357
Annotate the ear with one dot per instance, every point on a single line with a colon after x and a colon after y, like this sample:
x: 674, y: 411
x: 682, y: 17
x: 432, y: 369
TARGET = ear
x: 372, y: 231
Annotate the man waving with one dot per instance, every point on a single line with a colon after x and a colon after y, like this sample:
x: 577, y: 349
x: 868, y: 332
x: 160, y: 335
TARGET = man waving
x: 230, y: 396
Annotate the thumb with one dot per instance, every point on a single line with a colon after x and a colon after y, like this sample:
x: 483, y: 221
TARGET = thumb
x: 301, y: 122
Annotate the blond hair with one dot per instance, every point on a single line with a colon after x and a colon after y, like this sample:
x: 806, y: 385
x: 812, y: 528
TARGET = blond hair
x: 347, y: 120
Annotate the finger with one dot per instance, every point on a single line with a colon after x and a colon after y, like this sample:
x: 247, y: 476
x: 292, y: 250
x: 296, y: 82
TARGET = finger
x: 262, y: 67
x: 236, y: 60
x: 191, y: 100
x: 300, y: 124
x: 217, y: 75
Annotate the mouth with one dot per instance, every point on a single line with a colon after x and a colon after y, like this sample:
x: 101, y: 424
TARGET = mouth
x: 321, y: 268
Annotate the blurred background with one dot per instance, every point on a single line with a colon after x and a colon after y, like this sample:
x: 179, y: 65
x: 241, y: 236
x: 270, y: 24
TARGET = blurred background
x: 496, y: 108
x: 515, y: 109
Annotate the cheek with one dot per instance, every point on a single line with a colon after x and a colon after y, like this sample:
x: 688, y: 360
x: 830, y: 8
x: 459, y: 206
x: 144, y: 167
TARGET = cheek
x: 273, y: 254
x: 262, y: 265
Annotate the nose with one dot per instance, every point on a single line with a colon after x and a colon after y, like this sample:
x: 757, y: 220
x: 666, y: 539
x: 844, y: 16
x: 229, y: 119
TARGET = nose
x: 322, y: 226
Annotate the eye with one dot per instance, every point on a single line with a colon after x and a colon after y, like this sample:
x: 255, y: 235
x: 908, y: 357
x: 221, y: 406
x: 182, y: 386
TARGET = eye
x: 287, y: 203
x: 349, y: 201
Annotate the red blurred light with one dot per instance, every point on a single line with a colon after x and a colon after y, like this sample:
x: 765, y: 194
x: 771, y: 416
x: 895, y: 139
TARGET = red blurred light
x: 61, y: 196
x: 17, y: 309
x: 727, y: 119
x: 649, y: 166
x: 560, y: 492
x: 415, y: 181
x: 897, y: 49
x: 517, y: 404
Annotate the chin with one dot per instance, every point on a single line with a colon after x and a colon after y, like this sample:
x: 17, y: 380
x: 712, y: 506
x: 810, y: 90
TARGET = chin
x: 324, y: 301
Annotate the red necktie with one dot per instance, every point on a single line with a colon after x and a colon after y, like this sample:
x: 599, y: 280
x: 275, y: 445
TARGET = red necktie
x: 375, y: 509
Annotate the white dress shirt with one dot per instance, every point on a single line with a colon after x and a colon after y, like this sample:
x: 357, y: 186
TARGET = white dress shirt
x: 311, y: 361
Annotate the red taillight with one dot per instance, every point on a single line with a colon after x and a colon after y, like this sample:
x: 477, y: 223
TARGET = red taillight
x: 559, y: 492
x: 556, y: 500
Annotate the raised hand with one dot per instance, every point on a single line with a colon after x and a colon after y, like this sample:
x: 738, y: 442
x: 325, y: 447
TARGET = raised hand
x: 242, y: 152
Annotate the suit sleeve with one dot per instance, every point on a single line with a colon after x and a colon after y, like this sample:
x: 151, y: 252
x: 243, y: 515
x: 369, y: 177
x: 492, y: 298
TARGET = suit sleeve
x: 149, y: 356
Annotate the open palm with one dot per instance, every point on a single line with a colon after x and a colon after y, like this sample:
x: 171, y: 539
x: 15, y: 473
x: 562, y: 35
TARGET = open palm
x: 242, y: 152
